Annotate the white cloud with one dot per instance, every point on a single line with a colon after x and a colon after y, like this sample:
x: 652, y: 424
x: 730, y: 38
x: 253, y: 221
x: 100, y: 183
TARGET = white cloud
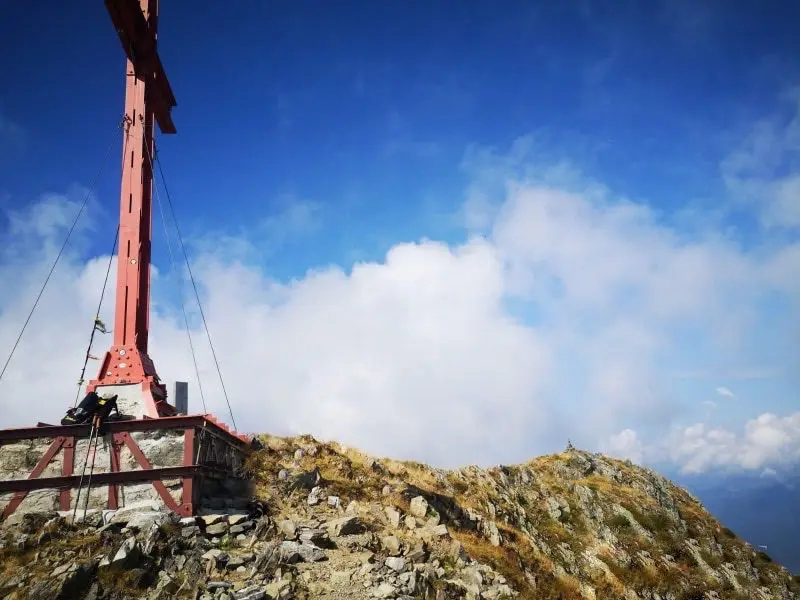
x: 625, y: 444
x: 563, y: 316
x: 765, y: 168
x: 768, y: 441
x: 785, y: 207
x: 723, y: 391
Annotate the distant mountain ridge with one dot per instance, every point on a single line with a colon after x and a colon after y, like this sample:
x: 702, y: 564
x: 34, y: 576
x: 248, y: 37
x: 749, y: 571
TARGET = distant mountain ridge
x: 763, y: 509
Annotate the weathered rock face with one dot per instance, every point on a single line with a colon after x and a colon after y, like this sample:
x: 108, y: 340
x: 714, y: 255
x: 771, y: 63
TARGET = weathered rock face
x: 573, y: 525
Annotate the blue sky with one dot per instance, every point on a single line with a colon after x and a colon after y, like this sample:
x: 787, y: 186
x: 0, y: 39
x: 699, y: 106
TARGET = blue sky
x: 373, y: 106
x: 611, y: 191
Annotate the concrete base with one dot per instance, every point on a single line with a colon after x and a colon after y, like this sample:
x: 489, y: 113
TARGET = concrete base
x: 132, y: 400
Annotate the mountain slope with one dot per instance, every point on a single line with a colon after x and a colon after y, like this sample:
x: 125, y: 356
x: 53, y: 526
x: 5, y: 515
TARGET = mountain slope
x: 762, y: 510
x: 340, y: 524
x: 567, y: 525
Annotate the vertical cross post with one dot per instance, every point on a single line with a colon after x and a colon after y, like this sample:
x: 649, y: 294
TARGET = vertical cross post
x: 148, y: 100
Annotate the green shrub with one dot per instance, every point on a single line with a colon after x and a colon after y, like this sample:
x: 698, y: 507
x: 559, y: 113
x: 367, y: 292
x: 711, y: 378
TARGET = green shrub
x: 712, y: 560
x: 763, y: 557
x: 619, y: 523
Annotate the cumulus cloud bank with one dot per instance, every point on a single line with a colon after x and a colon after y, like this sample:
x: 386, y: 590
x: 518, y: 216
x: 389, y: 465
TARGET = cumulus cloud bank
x: 767, y: 440
x: 567, y: 313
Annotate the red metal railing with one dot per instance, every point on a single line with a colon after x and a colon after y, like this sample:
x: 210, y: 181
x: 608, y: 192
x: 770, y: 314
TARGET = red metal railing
x: 64, y: 438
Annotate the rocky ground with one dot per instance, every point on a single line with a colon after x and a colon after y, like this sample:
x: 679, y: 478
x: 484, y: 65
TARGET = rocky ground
x: 331, y: 523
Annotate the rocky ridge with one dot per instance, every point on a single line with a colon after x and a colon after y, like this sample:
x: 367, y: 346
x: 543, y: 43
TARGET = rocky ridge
x: 330, y: 522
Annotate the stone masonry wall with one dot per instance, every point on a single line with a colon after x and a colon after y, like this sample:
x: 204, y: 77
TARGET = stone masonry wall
x: 163, y: 448
x: 17, y: 460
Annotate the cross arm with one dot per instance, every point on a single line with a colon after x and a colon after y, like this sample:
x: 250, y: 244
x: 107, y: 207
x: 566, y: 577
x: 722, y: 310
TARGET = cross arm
x: 139, y: 43
x: 165, y: 100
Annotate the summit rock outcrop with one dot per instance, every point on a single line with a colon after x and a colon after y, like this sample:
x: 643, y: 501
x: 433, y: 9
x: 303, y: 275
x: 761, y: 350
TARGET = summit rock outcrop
x: 331, y: 522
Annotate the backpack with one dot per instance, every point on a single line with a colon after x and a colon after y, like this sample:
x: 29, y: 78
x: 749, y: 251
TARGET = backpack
x: 91, y: 405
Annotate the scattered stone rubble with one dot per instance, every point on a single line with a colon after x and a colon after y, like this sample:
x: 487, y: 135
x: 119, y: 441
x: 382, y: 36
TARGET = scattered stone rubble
x: 332, y: 523
x: 232, y: 556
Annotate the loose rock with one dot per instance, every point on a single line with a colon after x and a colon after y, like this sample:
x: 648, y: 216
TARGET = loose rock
x: 586, y: 522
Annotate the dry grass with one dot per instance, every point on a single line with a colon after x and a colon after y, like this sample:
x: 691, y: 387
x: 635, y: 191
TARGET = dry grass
x: 645, y: 578
x: 346, y: 469
x: 398, y: 501
x: 83, y: 546
x: 616, y: 492
x: 606, y: 585
x: 693, y: 513
x: 460, y: 487
x: 120, y: 581
x: 512, y: 561
x: 712, y: 560
x: 548, y: 462
x: 424, y: 477
x: 653, y: 518
x: 352, y: 474
x: 14, y: 561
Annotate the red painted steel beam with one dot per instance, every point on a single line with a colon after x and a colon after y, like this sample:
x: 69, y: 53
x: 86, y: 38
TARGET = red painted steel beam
x: 179, y: 422
x: 109, y: 478
x: 188, y: 484
x: 146, y: 466
x: 148, y: 99
x: 67, y: 469
x: 139, y: 41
